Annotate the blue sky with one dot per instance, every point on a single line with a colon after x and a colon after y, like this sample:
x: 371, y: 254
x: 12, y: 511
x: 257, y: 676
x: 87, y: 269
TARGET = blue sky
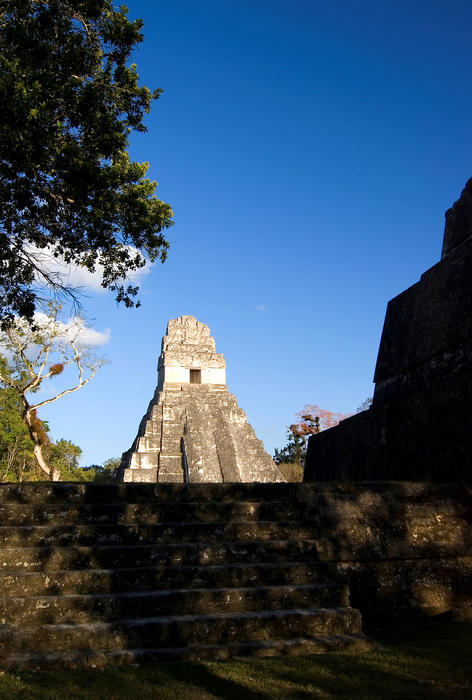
x: 309, y: 151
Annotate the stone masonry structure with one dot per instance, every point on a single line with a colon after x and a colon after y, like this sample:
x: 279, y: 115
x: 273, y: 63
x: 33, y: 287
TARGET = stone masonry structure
x: 193, y: 430
x: 95, y: 575
x: 419, y: 425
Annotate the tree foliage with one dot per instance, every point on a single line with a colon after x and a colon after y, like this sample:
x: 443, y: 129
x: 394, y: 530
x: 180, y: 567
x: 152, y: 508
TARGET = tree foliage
x: 16, y: 448
x: 64, y: 458
x: 310, y: 420
x: 365, y: 405
x: 17, y: 462
x: 67, y: 187
x: 106, y: 472
x: 37, y: 354
x: 293, y: 452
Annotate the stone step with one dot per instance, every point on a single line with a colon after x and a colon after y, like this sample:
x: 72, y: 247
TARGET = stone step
x: 182, y: 630
x: 56, y: 609
x: 146, y: 445
x: 93, y: 659
x: 103, y: 574
x: 55, y: 558
x: 168, y: 476
x: 92, y: 581
x: 42, y: 493
x: 144, y: 459
x: 61, y: 535
x: 152, y: 431
x: 170, y: 458
x: 172, y: 431
x: 171, y: 422
x: 170, y: 445
x: 120, y: 513
x: 140, y: 476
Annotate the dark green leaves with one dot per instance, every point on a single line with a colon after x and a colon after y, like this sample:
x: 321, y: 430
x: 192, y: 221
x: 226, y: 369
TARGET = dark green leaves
x: 69, y: 100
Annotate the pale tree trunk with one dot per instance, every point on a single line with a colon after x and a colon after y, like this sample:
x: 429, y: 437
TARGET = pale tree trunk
x: 37, y: 446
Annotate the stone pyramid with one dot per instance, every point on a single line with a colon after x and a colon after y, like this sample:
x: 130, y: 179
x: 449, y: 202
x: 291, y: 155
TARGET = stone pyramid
x: 194, y: 430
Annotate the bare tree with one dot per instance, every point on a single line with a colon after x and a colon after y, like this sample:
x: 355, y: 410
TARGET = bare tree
x: 38, y: 353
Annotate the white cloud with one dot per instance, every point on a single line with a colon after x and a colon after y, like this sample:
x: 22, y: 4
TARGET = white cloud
x: 72, y: 275
x: 74, y: 328
x: 86, y: 338
x: 261, y: 307
x: 92, y: 338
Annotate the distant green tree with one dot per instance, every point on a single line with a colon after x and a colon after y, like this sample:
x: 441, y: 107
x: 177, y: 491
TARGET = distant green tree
x: 311, y: 420
x: 112, y: 463
x: 293, y: 452
x: 16, y: 448
x: 38, y: 354
x: 103, y: 473
x: 63, y: 456
x: 289, y: 459
x: 17, y: 462
x: 108, y: 469
x: 69, y: 100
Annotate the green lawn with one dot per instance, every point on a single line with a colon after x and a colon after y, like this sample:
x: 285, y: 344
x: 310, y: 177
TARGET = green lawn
x: 430, y: 659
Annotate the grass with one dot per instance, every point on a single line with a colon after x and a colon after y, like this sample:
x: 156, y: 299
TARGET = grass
x: 430, y: 660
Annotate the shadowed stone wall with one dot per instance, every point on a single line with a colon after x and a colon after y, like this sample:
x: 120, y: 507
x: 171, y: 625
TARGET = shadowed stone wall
x: 419, y: 426
x: 403, y: 546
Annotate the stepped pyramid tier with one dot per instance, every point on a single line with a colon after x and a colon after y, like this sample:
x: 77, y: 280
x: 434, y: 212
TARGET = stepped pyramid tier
x: 194, y: 430
x: 95, y: 575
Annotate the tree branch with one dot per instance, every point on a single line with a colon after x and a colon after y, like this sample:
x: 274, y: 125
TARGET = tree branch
x: 66, y: 391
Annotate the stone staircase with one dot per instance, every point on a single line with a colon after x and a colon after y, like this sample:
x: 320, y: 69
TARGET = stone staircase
x: 94, y: 575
